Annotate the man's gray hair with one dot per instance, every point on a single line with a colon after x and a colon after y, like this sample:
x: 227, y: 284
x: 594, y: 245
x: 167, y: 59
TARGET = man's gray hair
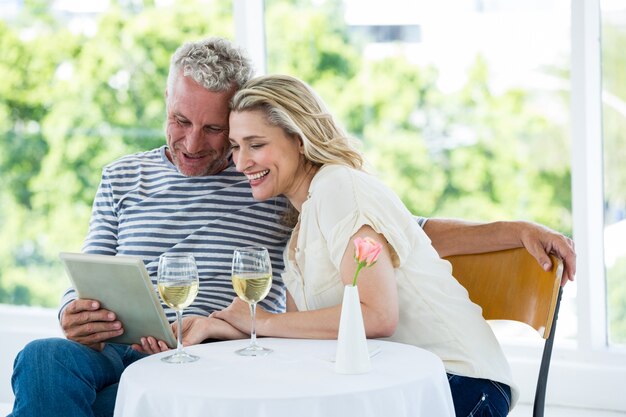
x: 214, y: 63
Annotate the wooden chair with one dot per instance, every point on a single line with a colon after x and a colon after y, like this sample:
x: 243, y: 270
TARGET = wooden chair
x: 510, y: 285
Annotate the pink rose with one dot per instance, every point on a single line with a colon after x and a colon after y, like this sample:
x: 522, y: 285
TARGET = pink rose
x: 366, y: 253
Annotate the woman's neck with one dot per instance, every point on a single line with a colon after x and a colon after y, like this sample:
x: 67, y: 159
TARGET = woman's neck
x: 301, y: 193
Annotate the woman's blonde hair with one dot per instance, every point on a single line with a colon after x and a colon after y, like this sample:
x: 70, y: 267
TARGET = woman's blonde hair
x: 293, y: 106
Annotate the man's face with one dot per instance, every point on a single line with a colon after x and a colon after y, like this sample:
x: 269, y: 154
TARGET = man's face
x: 197, y: 128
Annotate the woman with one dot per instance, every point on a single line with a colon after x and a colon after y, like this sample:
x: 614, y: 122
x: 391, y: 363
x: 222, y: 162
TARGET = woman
x: 285, y: 141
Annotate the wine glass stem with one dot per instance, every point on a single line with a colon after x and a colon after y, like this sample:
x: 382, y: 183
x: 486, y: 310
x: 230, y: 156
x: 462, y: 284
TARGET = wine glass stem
x: 179, y: 339
x: 253, y: 332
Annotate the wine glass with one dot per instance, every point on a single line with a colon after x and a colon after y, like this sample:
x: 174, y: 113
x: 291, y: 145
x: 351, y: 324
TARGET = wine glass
x: 178, y: 286
x: 252, y: 279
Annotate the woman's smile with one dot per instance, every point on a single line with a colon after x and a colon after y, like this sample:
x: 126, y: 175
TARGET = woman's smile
x: 256, y: 178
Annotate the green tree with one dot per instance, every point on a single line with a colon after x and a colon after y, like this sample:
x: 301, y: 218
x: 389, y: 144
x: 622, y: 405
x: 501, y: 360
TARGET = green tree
x: 470, y: 154
x: 69, y: 104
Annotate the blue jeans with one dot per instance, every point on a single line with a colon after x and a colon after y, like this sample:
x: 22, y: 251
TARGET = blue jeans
x: 474, y: 397
x: 59, y: 377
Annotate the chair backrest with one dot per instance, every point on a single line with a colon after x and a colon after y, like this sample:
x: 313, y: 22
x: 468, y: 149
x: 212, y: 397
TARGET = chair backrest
x: 510, y: 285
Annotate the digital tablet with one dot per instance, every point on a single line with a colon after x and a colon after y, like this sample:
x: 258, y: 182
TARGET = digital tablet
x: 122, y: 285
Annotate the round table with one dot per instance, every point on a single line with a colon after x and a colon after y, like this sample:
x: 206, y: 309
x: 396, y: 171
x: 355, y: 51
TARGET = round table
x: 298, y: 378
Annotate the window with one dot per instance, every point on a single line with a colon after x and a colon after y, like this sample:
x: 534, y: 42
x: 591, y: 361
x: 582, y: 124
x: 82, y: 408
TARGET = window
x: 469, y: 117
x: 386, y: 33
x: 614, y: 142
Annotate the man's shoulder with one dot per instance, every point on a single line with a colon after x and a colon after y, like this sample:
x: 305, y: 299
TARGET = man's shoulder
x: 154, y: 156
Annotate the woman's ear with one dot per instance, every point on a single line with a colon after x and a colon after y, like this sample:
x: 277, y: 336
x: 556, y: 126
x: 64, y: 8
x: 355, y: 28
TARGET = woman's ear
x: 300, y: 144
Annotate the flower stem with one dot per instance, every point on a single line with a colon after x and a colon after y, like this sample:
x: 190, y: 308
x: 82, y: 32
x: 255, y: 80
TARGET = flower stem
x: 356, y: 273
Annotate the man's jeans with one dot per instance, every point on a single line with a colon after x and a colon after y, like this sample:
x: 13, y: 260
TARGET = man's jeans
x: 58, y: 377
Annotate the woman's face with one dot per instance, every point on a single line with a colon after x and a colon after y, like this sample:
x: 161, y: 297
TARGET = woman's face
x: 269, y: 157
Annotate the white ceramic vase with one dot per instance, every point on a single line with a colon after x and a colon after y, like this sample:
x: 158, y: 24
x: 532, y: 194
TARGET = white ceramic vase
x: 352, y: 353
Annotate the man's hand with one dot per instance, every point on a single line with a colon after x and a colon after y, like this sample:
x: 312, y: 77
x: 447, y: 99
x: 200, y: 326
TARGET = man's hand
x: 459, y: 237
x: 83, y: 321
x: 540, y: 241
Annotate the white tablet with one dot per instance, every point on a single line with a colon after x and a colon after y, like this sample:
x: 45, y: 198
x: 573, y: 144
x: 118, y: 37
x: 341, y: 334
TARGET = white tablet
x: 121, y: 284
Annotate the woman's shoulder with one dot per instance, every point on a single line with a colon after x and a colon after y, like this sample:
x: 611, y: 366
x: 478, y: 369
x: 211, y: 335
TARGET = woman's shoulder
x: 341, y: 185
x: 342, y: 176
x: 335, y: 171
x: 333, y: 180
x: 336, y: 174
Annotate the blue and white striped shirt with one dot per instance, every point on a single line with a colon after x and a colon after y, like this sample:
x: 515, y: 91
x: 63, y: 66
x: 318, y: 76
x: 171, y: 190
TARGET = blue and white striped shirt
x: 145, y: 207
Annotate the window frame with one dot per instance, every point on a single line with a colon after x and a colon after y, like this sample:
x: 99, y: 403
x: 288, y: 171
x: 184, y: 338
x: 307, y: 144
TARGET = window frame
x: 587, y: 174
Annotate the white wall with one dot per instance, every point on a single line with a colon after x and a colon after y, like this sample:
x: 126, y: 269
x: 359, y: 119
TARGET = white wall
x: 577, y: 379
x: 572, y: 381
x: 18, y: 326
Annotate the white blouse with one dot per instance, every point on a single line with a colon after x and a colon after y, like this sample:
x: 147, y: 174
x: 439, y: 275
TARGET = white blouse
x: 435, y: 311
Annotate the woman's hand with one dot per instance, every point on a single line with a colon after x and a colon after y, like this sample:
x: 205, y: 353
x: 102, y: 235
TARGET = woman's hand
x: 197, y: 329
x: 150, y: 345
x: 237, y: 314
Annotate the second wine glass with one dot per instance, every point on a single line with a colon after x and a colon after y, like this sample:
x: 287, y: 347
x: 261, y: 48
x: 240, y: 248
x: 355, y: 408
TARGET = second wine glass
x: 178, y: 286
x: 252, y: 280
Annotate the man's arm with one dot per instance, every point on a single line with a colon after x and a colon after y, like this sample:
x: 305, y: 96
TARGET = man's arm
x: 458, y: 237
x: 84, y: 321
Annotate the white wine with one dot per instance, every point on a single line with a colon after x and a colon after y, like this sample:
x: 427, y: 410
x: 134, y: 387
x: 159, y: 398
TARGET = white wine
x: 252, y: 287
x: 178, y: 295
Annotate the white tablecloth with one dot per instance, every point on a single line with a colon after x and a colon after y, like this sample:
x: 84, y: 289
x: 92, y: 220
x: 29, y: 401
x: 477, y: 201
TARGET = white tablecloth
x: 297, y: 379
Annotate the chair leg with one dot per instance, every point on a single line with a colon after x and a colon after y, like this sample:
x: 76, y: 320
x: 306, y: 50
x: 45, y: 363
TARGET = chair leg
x: 542, y: 379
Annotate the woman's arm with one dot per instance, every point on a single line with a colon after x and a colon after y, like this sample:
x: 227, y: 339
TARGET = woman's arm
x: 196, y: 329
x: 291, y: 305
x: 458, y: 237
x: 377, y: 292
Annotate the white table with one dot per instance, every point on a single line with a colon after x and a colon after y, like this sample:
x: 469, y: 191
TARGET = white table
x: 297, y: 379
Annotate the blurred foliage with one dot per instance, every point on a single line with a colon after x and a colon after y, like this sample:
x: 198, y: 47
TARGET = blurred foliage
x: 70, y: 103
x: 471, y: 153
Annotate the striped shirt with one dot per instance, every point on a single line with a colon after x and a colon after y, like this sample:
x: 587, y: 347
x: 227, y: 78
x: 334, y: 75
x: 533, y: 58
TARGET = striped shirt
x: 145, y: 207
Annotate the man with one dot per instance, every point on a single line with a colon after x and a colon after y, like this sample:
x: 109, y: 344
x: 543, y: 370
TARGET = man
x: 187, y: 197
